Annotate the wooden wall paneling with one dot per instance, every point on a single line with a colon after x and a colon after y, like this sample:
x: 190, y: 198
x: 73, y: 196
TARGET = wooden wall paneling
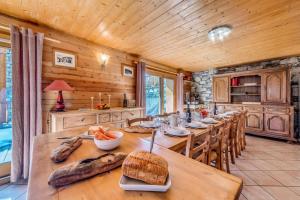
x: 88, y: 78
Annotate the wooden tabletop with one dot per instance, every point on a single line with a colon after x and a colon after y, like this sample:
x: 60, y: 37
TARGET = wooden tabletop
x: 190, y: 179
x: 172, y: 142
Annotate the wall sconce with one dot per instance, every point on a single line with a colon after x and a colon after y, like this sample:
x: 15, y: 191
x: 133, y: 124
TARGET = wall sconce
x: 104, y: 59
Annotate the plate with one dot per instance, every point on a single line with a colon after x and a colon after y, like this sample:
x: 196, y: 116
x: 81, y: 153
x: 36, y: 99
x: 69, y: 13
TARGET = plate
x: 178, y: 132
x: 136, y: 185
x: 149, y: 125
x: 196, y: 125
x: 209, y: 121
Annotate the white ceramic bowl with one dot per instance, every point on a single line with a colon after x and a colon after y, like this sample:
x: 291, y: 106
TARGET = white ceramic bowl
x: 109, y: 144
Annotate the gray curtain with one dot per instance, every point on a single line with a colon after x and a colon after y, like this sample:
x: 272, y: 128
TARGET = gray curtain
x: 140, y: 85
x: 27, y: 49
x: 179, y: 92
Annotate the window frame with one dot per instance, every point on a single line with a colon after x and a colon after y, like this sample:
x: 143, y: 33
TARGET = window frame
x: 162, y: 76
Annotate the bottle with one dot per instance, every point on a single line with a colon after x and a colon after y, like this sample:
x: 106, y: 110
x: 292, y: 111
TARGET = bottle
x: 188, y: 114
x: 125, y: 101
x: 215, y: 109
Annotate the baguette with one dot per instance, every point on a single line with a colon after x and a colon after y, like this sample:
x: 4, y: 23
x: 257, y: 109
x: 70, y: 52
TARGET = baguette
x: 87, y: 168
x: 62, y: 152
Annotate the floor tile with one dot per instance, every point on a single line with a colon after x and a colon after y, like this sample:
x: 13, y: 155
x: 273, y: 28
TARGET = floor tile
x: 245, y: 165
x: 256, y: 193
x: 295, y: 189
x: 261, y: 178
x: 263, y: 165
x: 281, y: 193
x: 246, y: 179
x: 242, y: 197
x: 285, y: 178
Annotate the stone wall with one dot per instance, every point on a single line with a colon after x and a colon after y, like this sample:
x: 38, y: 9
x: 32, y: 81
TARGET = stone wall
x: 202, y: 86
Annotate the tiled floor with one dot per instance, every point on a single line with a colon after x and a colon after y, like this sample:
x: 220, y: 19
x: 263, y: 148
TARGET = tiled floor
x: 270, y: 171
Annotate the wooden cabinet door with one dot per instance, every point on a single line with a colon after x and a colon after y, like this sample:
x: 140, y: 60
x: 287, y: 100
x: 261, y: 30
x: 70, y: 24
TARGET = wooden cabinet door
x: 221, y: 89
x: 277, y: 123
x: 274, y: 87
x: 254, y: 122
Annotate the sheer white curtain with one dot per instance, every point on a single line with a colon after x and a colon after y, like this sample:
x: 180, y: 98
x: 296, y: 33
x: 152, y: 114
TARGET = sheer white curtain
x: 179, y: 92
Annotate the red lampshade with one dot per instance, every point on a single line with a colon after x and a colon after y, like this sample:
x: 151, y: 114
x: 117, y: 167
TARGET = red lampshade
x: 58, y: 85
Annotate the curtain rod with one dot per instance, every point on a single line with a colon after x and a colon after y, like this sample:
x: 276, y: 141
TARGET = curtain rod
x: 160, y: 69
x: 46, y: 38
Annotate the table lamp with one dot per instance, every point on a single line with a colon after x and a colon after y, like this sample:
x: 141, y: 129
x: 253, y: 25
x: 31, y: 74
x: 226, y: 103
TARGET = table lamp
x: 59, y: 85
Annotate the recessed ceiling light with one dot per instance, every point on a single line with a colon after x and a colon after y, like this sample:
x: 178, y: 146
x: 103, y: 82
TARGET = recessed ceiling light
x: 219, y: 33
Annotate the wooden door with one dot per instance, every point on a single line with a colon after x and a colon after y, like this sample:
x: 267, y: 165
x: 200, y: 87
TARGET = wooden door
x: 277, y: 123
x: 221, y: 89
x: 274, y: 88
x: 254, y: 122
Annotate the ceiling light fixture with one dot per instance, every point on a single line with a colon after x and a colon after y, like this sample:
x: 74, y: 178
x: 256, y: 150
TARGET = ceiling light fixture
x: 219, y: 33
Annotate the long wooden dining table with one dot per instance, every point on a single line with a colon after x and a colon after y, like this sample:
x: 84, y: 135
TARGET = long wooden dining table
x: 190, y: 179
x: 173, y: 142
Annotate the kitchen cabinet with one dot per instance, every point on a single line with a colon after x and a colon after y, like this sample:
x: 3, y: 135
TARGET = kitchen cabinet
x: 277, y: 124
x: 274, y: 88
x: 221, y: 89
x: 254, y: 121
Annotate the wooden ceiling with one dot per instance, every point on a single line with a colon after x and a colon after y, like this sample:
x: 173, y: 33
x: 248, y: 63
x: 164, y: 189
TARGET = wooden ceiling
x: 174, y: 32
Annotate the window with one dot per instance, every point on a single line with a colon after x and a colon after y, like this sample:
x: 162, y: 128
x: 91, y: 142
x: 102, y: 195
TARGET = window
x: 159, y: 94
x: 5, y: 110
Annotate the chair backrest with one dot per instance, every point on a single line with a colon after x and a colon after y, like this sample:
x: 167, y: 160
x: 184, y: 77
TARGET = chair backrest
x: 130, y: 122
x: 240, y: 123
x: 167, y: 114
x: 234, y: 125
x: 227, y: 130
x: 198, y: 146
x: 216, y: 135
x: 243, y: 121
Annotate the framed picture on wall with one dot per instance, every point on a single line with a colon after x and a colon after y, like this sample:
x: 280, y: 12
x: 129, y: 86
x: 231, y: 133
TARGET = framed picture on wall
x: 64, y: 58
x: 127, y: 70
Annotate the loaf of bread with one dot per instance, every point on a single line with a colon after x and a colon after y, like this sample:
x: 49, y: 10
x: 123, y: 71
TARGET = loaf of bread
x: 147, y: 167
x: 64, y: 150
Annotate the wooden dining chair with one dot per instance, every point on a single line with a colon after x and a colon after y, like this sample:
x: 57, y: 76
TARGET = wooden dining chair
x: 239, y: 129
x: 130, y: 122
x: 198, y: 146
x: 215, y: 154
x: 242, y: 130
x: 225, y: 143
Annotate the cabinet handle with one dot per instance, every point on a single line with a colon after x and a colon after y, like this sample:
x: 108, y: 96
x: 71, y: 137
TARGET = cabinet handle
x: 82, y: 119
